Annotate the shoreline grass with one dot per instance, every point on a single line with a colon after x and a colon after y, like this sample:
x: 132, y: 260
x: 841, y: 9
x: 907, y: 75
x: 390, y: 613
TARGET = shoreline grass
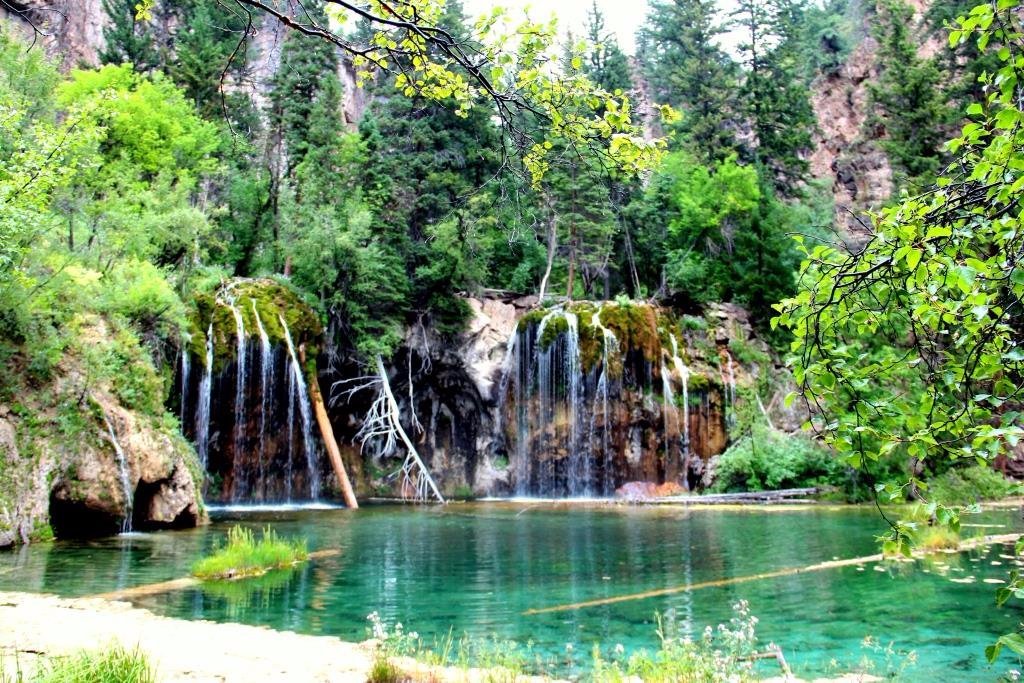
x: 114, y: 665
x: 245, y: 556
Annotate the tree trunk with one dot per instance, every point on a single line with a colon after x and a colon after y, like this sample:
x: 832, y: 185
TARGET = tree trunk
x: 333, y: 452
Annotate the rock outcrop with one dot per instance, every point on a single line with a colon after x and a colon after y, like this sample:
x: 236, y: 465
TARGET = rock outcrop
x: 88, y: 496
x: 71, y: 31
x: 76, y: 461
x: 855, y: 165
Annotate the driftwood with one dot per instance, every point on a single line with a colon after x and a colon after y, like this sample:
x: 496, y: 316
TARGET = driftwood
x: 969, y: 544
x: 780, y: 496
x: 772, y: 652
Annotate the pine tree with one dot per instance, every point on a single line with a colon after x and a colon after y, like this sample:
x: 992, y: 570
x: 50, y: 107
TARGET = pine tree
x: 678, y: 48
x: 127, y: 39
x: 908, y: 100
x: 581, y: 214
x: 776, y: 99
x: 606, y: 63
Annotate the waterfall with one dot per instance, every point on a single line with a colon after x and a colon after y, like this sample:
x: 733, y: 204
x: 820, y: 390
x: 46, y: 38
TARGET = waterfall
x: 297, y: 388
x: 609, y: 346
x: 203, y: 409
x: 578, y: 477
x: 730, y: 383
x: 669, y: 408
x: 523, y: 374
x: 238, y: 439
x: 186, y: 342
x: 126, y: 485
x: 591, y: 413
x: 684, y: 378
x: 266, y: 392
x: 291, y: 437
x: 552, y: 397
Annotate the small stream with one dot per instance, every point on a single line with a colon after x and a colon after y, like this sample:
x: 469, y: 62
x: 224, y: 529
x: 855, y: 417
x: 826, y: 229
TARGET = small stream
x: 476, y: 568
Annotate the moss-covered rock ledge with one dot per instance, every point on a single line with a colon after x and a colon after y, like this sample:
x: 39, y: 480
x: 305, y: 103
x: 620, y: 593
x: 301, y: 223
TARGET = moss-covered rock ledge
x: 259, y: 301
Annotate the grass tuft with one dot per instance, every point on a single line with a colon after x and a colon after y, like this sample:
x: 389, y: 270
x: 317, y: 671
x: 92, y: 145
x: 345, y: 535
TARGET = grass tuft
x: 115, y: 665
x: 934, y: 538
x: 245, y: 556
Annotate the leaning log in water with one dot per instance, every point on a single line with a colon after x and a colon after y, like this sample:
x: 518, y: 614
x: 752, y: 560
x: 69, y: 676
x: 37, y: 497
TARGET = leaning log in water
x: 333, y: 452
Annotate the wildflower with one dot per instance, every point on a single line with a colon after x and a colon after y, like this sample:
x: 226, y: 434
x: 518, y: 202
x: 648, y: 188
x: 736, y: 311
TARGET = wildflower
x: 619, y: 649
x: 568, y: 647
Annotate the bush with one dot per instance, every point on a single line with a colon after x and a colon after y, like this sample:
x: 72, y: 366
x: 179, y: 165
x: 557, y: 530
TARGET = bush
x: 244, y: 556
x: 139, y: 292
x: 968, y: 484
x: 767, y: 459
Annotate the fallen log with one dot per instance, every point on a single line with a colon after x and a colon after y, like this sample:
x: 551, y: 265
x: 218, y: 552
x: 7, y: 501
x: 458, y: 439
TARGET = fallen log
x: 327, y: 432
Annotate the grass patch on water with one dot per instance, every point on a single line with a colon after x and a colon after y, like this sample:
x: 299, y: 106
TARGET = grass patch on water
x: 934, y: 538
x: 244, y: 555
x: 115, y: 665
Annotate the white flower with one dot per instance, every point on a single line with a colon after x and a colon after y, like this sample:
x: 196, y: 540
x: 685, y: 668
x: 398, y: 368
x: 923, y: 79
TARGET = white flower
x: 619, y: 649
x: 568, y: 647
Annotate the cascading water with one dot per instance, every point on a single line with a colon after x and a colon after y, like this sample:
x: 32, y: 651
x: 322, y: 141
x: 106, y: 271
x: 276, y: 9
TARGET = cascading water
x: 684, y: 378
x: 669, y: 410
x: 579, y: 458
x: 730, y: 386
x: 298, y: 389
x: 203, y: 409
x: 186, y: 343
x: 266, y: 394
x: 238, y: 442
x: 609, y: 349
x: 583, y: 410
x: 556, y: 403
x: 125, y: 476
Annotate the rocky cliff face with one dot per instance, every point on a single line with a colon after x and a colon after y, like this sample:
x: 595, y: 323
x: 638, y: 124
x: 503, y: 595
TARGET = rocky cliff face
x: 71, y: 31
x: 845, y: 153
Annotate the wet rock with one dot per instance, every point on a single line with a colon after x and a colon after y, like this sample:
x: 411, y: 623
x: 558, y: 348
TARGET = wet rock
x: 87, y: 498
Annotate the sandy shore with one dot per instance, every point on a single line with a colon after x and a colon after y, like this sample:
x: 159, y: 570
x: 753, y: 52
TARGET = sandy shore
x: 34, y: 625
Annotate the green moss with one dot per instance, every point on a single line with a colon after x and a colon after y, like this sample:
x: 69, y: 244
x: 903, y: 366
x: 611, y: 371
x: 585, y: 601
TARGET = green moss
x: 556, y: 326
x: 635, y: 326
x: 745, y: 353
x: 693, y: 323
x: 532, y: 318
x: 270, y: 299
x: 41, y: 532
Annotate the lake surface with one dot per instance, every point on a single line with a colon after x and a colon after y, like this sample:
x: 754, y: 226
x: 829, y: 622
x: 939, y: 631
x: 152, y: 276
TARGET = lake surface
x: 477, y: 568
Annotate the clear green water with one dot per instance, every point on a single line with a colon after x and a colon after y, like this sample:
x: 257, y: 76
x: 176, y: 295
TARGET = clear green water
x: 477, y: 568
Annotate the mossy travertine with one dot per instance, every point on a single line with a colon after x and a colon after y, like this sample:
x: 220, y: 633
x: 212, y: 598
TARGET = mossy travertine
x: 271, y: 298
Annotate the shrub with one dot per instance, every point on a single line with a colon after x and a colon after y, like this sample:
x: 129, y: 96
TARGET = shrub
x: 767, y: 459
x: 139, y: 292
x: 969, y: 484
x: 244, y: 556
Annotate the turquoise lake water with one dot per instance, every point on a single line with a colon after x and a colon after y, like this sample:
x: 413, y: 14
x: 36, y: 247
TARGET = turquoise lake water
x: 477, y: 568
